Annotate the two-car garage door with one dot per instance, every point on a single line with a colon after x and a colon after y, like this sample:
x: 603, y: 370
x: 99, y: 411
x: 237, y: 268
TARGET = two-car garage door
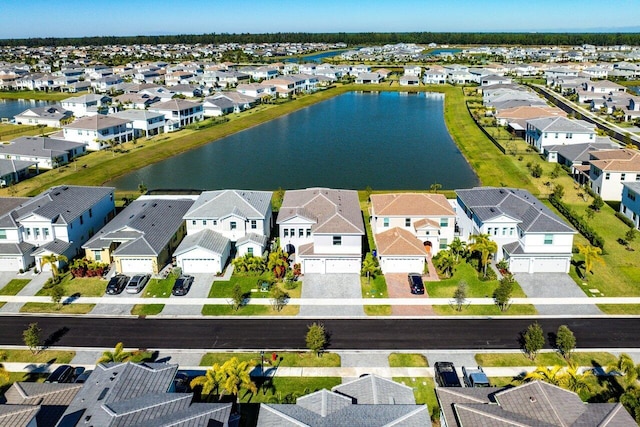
x: 331, y: 265
x: 136, y: 265
x: 539, y: 265
x: 199, y: 265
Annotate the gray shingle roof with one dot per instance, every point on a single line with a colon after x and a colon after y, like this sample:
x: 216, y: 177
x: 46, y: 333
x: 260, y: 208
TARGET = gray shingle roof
x: 253, y: 237
x: 579, y: 152
x: 562, y: 124
x: 39, y: 147
x: 96, y: 122
x: 633, y: 186
x: 491, y: 202
x: 50, y: 398
x: 17, y: 415
x: 55, y: 112
x: 206, y: 239
x: 144, y: 227
x: 16, y: 248
x: 219, y: 204
x: 9, y: 166
x: 375, y: 390
x: 56, y: 246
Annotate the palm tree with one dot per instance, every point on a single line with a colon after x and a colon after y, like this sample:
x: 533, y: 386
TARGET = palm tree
x: 551, y: 375
x: 52, y: 260
x: 483, y: 244
x: 241, y: 264
x: 255, y: 264
x: 210, y: 381
x: 457, y: 248
x: 278, y: 263
x: 237, y: 377
x: 445, y: 261
x: 117, y: 355
x: 627, y: 367
x: 574, y: 380
x: 4, y: 374
x: 370, y: 267
x: 591, y: 254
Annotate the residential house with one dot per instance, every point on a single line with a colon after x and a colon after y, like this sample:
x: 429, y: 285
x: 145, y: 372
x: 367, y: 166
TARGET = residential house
x: 106, y: 84
x: 529, y: 236
x: 434, y: 75
x: 547, y: 131
x: 178, y: 113
x: 528, y: 405
x: 130, y: 394
x: 603, y: 87
x: 368, y: 78
x: 355, y: 70
x: 85, y: 105
x: 368, y: 401
x: 58, y: 221
x: 577, y: 156
x: 47, y: 153
x: 138, y: 101
x: 161, y: 94
x: 493, y: 79
x: 144, y: 122
x: 257, y: 90
x: 240, y: 102
x: 630, y: 206
x: 610, y: 169
x: 413, y: 71
x: 217, y: 107
x: 40, y: 404
x: 409, y: 81
x: 322, y: 229
x: 49, y: 115
x: 223, y: 222
x: 408, y: 227
x: 515, y: 119
x: 14, y: 171
x: 143, y: 237
x: 96, y: 131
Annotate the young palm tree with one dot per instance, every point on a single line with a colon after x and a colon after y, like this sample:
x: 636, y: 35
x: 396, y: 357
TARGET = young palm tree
x: 117, y: 355
x: 278, y: 263
x: 370, y: 268
x: 52, y: 260
x: 255, y: 264
x: 551, y: 375
x: 625, y: 365
x: 458, y: 248
x: 446, y: 261
x: 483, y: 244
x: 591, y: 254
x: 241, y: 264
x: 237, y: 377
x: 210, y: 381
x: 4, y: 374
x: 574, y: 380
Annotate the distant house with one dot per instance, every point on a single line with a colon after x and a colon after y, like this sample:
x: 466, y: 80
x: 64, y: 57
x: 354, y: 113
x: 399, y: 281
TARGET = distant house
x: 409, y: 81
x: 178, y: 113
x: 577, y: 156
x: 529, y: 236
x: 48, y: 153
x: 96, y: 131
x: 413, y: 71
x: 85, y: 105
x: 322, y: 229
x: 49, y: 115
x: 217, y: 107
x: 368, y: 78
x: 630, y: 206
x: 14, y: 171
x: 369, y: 401
x: 610, y: 169
x: 434, y: 75
x: 144, y: 122
x: 139, y: 101
x: 143, y: 237
x: 240, y: 102
x: 529, y: 405
x: 58, y: 221
x: 548, y: 131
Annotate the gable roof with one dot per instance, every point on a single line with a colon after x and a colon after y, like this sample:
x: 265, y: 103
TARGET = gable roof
x: 17, y: 415
x: 96, y: 122
x: 375, y: 390
x: 333, y: 211
x: 533, y: 216
x: 398, y: 241
x: 144, y: 227
x: 623, y: 160
x: 9, y: 166
x: 206, y: 239
x: 219, y: 204
x: 561, y: 124
x: 39, y: 146
x: 410, y: 204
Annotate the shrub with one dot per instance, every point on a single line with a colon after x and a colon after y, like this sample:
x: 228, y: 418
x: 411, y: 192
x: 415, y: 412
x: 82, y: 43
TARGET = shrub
x: 491, y: 275
x: 585, y: 229
x: 624, y: 219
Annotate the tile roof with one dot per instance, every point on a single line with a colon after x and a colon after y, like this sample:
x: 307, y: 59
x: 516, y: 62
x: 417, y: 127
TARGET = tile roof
x: 222, y: 203
x: 253, y: 237
x: 333, y: 211
x: 623, y: 160
x: 97, y: 122
x: 17, y: 415
x: 579, y: 152
x: 562, y: 124
x: 491, y: 202
x: 375, y: 390
x: 398, y: 241
x: 50, y: 398
x: 410, y: 204
x: 206, y: 239
x: 175, y: 105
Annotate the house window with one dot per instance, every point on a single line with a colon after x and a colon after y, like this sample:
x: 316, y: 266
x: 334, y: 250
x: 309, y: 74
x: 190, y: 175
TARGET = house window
x: 444, y: 222
x: 308, y: 232
x: 385, y: 222
x: 97, y: 255
x: 254, y: 224
x: 607, y: 175
x: 557, y: 135
x: 204, y: 222
x: 28, y: 230
x: 638, y: 177
x: 407, y: 222
x: 286, y: 232
x: 511, y: 230
x: 250, y: 251
x: 301, y: 232
x: 489, y: 230
x: 45, y: 232
x: 548, y: 239
x: 81, y: 220
x: 215, y: 222
x: 443, y: 243
x: 36, y: 233
x: 569, y: 136
x: 337, y: 240
x: 233, y: 225
x: 90, y: 213
x: 504, y: 231
x: 623, y: 176
x: 193, y: 222
x: 3, y: 234
x: 631, y: 196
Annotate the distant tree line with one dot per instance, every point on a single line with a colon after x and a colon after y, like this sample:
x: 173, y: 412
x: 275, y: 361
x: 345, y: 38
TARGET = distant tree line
x: 352, y: 39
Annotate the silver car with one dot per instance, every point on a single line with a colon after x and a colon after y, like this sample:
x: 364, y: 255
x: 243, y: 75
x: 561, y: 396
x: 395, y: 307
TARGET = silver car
x: 137, y: 283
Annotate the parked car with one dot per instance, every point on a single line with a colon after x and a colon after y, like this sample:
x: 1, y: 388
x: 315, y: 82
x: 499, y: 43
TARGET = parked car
x: 117, y: 284
x: 77, y: 371
x: 137, y: 283
x: 182, y: 285
x: 415, y: 283
x: 62, y: 374
x: 475, y: 377
x: 82, y: 378
x: 446, y: 375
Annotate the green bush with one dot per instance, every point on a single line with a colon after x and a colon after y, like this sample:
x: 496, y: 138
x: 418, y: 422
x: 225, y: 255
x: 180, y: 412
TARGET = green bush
x: 585, y: 229
x: 625, y: 219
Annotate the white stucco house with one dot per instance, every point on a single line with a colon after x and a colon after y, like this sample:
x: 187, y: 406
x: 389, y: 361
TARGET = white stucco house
x: 224, y: 223
x: 546, y: 131
x: 529, y: 236
x: 58, y: 221
x: 322, y: 229
x: 85, y: 105
x: 49, y: 115
x: 610, y: 169
x: 48, y: 153
x: 408, y: 227
x: 178, y: 113
x: 144, y: 122
x: 95, y: 131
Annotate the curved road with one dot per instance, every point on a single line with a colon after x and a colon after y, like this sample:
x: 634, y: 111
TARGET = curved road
x: 357, y: 334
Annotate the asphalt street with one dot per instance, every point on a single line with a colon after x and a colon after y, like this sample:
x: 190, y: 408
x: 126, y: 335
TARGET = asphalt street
x: 344, y: 334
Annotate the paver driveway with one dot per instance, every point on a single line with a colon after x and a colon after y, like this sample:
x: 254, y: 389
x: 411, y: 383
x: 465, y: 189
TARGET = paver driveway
x: 398, y: 287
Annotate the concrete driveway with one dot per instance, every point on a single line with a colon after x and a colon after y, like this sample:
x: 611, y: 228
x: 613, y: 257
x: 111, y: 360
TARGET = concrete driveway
x: 554, y: 285
x: 199, y: 289
x: 398, y: 287
x: 338, y: 286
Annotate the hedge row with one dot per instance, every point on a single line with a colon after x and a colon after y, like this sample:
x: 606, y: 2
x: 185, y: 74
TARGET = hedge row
x: 625, y: 219
x: 589, y: 233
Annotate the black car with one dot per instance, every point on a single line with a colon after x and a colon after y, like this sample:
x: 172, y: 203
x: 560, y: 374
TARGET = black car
x: 117, y: 284
x: 446, y: 375
x: 82, y: 378
x: 62, y: 374
x: 182, y: 285
x: 415, y: 284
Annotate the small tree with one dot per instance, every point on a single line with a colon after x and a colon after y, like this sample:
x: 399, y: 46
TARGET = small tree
x: 558, y: 191
x: 237, y: 296
x: 565, y: 341
x: 533, y: 340
x: 536, y: 171
x: 278, y: 298
x: 630, y: 235
x: 57, y: 292
x: 117, y: 355
x: 370, y: 268
x: 597, y: 204
x: 435, y: 187
x: 502, y: 294
x: 316, y: 338
x: 31, y: 337
x: 460, y: 295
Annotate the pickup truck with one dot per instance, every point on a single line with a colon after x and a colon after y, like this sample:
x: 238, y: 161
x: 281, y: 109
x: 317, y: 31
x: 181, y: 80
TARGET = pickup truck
x: 475, y: 377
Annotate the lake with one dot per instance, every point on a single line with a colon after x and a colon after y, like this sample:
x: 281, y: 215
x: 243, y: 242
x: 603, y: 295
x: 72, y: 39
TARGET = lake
x: 11, y: 107
x: 386, y: 140
x: 318, y: 57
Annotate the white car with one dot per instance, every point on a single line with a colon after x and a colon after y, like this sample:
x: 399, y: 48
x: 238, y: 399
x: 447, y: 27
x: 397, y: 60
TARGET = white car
x: 137, y: 283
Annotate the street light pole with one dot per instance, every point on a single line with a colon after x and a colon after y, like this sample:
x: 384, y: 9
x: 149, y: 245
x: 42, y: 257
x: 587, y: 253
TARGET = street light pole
x: 262, y: 363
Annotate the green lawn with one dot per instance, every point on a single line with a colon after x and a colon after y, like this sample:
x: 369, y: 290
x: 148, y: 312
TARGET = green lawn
x: 484, y: 310
x: 9, y: 132
x: 147, y: 309
x: 80, y: 286
x: 14, y: 286
x: 46, y: 307
x: 476, y: 288
x: 619, y: 308
x: 159, y: 288
x: 249, y: 310
x: 38, y: 95
x: 407, y: 360
x: 424, y: 390
x: 248, y: 283
x: 44, y: 356
x: 544, y: 359
x: 289, y: 359
x: 15, y: 377
x: 375, y: 288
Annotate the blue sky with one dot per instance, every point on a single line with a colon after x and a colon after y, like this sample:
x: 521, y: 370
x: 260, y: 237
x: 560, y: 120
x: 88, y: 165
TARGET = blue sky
x: 66, y: 18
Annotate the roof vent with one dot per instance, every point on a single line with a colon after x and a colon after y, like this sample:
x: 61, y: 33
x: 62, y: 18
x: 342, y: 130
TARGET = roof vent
x: 532, y: 399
